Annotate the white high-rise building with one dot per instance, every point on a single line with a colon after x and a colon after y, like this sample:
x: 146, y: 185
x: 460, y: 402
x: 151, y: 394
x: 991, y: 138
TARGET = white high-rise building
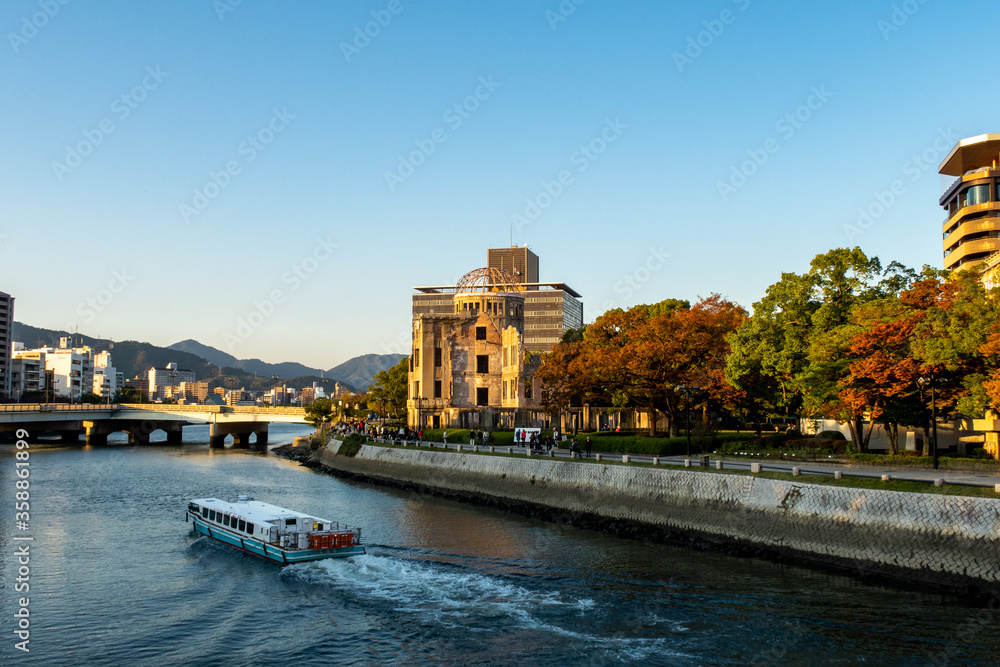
x: 107, y: 380
x: 171, y: 376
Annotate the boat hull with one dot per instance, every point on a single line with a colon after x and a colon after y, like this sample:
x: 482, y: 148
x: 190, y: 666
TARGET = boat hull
x: 269, y: 551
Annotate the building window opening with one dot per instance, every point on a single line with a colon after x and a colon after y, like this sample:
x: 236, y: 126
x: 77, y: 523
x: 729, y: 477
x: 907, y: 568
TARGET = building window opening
x: 437, y: 388
x: 416, y: 358
x: 437, y: 356
x: 527, y: 388
x: 482, y: 396
x: 482, y: 363
x: 416, y: 390
x: 480, y: 333
x: 977, y: 194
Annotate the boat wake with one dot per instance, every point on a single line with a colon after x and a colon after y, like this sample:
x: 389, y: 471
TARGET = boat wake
x: 420, y: 587
x: 474, y: 602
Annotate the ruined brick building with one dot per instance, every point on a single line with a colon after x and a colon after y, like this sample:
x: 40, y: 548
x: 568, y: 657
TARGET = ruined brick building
x: 469, y: 367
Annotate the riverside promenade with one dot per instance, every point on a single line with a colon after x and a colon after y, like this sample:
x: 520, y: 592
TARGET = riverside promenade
x: 985, y: 479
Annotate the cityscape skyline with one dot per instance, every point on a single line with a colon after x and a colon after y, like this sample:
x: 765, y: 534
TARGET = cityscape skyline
x: 185, y: 172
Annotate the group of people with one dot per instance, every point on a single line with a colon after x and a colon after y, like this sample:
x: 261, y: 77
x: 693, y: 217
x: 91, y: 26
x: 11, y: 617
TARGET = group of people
x: 522, y: 437
x: 481, y: 438
x: 537, y: 443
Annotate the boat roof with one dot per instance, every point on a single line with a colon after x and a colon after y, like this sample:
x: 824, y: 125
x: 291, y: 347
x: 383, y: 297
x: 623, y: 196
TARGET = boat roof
x: 255, y: 510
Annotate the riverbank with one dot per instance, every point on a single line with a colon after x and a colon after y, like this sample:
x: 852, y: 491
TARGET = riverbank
x: 947, y: 542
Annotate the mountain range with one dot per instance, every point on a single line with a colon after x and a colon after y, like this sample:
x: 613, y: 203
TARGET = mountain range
x: 135, y: 358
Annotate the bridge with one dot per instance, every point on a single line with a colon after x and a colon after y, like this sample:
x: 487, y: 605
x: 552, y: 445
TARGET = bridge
x: 139, y: 420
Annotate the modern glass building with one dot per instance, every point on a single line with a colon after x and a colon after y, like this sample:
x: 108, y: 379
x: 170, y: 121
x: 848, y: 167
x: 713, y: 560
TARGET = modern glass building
x: 971, y: 230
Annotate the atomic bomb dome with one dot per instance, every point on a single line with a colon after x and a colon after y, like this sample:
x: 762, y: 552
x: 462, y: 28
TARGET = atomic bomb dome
x: 487, y: 279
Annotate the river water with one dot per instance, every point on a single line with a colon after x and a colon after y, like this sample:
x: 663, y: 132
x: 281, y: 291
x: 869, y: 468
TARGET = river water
x: 117, y: 578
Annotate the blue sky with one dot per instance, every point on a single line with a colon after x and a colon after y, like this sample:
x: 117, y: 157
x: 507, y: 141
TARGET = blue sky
x: 267, y: 179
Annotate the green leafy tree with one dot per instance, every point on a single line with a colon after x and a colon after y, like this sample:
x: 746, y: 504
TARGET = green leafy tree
x: 319, y: 411
x: 389, y: 387
x: 131, y: 395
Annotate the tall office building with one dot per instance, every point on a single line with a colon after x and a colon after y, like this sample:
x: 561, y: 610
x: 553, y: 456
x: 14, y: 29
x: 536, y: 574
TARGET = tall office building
x: 549, y: 308
x: 972, y: 201
x: 519, y: 262
x: 6, y: 332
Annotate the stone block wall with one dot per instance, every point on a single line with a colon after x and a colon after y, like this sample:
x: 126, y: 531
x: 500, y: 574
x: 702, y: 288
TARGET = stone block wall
x: 951, y: 541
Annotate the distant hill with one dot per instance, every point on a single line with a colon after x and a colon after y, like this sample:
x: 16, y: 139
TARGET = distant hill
x: 359, y: 371
x: 356, y: 373
x: 219, y: 368
x: 215, y: 356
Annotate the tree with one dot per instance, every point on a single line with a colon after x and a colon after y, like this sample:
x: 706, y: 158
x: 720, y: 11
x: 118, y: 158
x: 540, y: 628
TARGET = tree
x: 318, y: 412
x: 793, y: 353
x: 131, y: 395
x: 644, y: 353
x: 389, y: 386
x: 565, y: 376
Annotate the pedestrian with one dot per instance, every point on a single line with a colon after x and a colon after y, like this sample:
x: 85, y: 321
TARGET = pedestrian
x: 445, y: 436
x: 588, y: 446
x: 420, y: 435
x: 472, y: 438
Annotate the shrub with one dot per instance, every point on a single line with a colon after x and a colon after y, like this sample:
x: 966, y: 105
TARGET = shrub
x: 831, y: 435
x: 352, y: 445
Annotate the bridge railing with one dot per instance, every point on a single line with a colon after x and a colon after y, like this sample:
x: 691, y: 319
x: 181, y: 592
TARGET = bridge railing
x: 153, y: 407
x: 56, y: 407
x: 244, y: 409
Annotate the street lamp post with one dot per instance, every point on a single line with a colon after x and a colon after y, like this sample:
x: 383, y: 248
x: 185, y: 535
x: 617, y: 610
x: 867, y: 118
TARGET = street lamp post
x: 687, y: 408
x: 929, y: 382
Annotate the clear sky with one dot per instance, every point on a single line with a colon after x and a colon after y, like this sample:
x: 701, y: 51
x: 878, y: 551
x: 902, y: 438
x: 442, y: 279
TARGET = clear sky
x: 169, y: 169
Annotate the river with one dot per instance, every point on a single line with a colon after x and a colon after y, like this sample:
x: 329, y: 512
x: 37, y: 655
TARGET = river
x: 118, y: 578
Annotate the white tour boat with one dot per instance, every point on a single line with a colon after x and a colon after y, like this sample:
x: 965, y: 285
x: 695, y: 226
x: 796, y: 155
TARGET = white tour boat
x: 273, y: 532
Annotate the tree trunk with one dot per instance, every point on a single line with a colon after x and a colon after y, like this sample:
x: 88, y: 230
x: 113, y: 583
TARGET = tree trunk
x: 892, y: 432
x: 927, y: 442
x: 854, y: 435
x: 862, y: 442
x: 652, y: 422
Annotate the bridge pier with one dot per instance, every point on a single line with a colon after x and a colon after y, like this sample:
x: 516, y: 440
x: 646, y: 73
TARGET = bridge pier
x: 241, y: 432
x: 69, y: 436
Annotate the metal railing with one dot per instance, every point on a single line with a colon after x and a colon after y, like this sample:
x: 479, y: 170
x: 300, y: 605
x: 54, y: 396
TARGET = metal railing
x: 148, y: 407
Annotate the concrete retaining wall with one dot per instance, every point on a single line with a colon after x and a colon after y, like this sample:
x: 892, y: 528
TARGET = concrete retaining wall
x: 946, y: 540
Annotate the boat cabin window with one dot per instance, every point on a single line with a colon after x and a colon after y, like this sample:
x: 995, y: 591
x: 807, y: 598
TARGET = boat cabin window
x: 243, y: 524
x: 192, y: 507
x: 249, y: 527
x: 211, y: 515
x: 289, y: 522
x: 225, y: 519
x: 319, y: 526
x: 204, y: 512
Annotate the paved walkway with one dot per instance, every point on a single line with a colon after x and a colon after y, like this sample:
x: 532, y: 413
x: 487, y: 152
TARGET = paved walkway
x: 902, y: 473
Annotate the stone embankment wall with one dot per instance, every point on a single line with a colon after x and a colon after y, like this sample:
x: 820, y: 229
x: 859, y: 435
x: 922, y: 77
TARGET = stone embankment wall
x: 949, y: 541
